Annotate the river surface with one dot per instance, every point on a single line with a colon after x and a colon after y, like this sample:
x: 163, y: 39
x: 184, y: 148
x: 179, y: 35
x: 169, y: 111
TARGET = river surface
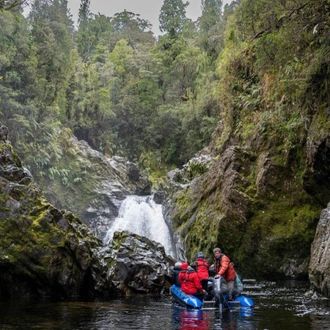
x: 277, y: 306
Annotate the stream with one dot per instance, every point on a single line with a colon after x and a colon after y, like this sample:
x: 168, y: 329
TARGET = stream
x: 283, y: 305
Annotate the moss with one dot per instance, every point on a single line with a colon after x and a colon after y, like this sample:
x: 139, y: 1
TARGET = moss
x: 183, y: 212
x: 197, y: 168
x: 278, y: 225
x: 281, y: 229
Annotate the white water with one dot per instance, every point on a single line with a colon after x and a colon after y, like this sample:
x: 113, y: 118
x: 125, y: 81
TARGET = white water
x: 141, y: 215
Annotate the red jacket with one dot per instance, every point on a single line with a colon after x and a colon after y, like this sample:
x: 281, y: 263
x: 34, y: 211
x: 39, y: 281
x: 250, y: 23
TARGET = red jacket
x: 202, y: 269
x: 224, y: 268
x: 190, y: 283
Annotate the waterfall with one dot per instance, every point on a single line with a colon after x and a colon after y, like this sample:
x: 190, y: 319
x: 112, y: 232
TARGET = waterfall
x: 141, y: 215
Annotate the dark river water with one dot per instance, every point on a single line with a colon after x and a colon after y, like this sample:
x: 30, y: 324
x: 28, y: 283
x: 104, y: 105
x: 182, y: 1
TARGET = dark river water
x: 277, y: 306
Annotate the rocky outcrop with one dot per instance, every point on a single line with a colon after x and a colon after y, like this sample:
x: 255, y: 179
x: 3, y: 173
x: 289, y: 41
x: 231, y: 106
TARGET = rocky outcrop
x: 319, y: 266
x: 141, y: 264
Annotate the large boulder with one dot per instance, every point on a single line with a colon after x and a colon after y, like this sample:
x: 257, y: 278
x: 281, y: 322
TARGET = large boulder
x: 319, y: 266
x: 141, y: 264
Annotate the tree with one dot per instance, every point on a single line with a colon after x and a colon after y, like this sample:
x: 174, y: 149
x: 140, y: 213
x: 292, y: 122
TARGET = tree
x: 84, y: 13
x: 211, y: 14
x: 172, y: 17
x: 127, y: 19
x: 84, y: 37
x: 51, y: 27
x: 16, y: 64
x: 129, y: 26
x: 211, y: 26
x: 93, y: 30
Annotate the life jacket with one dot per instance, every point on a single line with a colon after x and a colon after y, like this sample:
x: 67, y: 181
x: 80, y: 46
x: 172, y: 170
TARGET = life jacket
x: 190, y: 283
x: 202, y: 269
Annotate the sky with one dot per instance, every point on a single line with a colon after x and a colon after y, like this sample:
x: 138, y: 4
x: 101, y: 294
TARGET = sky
x: 148, y: 9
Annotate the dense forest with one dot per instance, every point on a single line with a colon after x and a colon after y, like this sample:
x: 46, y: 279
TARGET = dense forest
x: 110, y: 82
x: 155, y: 102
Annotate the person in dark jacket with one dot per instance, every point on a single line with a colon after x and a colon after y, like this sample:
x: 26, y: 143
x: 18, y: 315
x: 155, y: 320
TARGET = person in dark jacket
x: 175, y: 274
x: 223, y: 267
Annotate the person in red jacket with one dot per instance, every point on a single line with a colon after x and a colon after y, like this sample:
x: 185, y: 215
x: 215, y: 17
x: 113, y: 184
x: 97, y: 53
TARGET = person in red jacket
x: 190, y: 283
x: 202, y: 269
x: 223, y: 267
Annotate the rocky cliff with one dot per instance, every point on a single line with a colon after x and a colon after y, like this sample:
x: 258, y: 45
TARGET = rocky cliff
x: 255, y: 209
x: 261, y: 195
x: 48, y: 252
x: 319, y: 267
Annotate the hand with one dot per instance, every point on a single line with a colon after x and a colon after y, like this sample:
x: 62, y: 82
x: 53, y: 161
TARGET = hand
x: 217, y: 276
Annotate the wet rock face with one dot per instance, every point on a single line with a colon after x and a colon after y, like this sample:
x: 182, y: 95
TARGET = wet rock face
x: 141, y: 264
x: 43, y: 251
x: 11, y: 169
x: 3, y: 132
x: 316, y: 177
x: 319, y: 266
x: 248, y: 204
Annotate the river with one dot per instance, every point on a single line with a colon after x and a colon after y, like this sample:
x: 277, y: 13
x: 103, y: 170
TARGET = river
x: 277, y: 306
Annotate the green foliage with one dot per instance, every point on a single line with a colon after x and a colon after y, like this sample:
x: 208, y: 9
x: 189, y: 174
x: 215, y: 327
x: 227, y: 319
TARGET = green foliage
x: 172, y: 17
x: 84, y: 13
x: 129, y: 21
x: 211, y: 25
x: 93, y: 32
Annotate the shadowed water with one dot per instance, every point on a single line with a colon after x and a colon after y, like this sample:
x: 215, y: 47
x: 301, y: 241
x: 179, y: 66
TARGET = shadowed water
x: 278, y: 306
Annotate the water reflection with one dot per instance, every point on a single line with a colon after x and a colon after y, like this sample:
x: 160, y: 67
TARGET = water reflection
x: 186, y: 319
x: 235, y: 319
